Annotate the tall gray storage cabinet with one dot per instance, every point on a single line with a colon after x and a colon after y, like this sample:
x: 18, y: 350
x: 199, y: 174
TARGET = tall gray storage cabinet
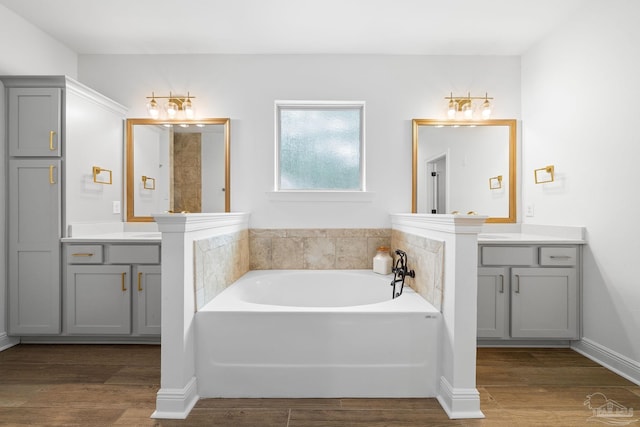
x: 57, y: 129
x: 35, y: 133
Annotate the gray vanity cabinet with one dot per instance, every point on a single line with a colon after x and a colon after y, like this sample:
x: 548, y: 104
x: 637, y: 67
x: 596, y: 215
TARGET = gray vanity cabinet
x: 544, y: 303
x: 493, y: 302
x: 47, y: 175
x: 147, y: 299
x: 34, y: 248
x: 98, y: 299
x: 112, y: 289
x: 528, y: 292
x: 35, y: 121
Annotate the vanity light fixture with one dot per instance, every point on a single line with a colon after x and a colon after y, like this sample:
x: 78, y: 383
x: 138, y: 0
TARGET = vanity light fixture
x: 175, y: 104
x: 465, y: 106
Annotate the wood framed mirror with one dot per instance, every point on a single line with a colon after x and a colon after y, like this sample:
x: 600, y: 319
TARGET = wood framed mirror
x: 455, y: 163
x: 177, y: 166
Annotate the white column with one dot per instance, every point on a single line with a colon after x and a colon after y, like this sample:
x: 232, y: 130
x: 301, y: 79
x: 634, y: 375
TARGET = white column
x: 178, y: 384
x: 457, y: 391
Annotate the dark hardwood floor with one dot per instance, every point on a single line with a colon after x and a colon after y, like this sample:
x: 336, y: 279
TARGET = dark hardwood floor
x: 92, y: 385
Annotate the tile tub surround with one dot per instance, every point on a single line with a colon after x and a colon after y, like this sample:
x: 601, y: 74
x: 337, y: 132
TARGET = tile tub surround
x: 426, y: 257
x: 219, y: 261
x: 315, y: 249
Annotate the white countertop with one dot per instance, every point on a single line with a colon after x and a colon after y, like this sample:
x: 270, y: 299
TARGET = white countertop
x: 121, y: 237
x: 523, y: 239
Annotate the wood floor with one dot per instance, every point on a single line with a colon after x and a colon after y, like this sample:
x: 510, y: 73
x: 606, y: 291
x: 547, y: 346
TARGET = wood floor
x: 87, y: 385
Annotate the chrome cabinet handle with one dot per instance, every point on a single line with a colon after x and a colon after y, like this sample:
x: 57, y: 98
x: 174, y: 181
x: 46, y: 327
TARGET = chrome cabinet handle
x: 517, y: 287
x: 501, y: 290
x: 559, y: 257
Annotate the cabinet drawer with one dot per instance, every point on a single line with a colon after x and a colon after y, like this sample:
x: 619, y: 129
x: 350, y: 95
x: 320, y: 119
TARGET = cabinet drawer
x: 508, y: 255
x: 84, y: 254
x: 134, y: 254
x: 558, y: 256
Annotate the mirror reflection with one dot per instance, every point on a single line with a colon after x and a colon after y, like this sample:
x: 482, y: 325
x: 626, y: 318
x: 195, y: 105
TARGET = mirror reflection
x: 465, y: 168
x: 177, y: 166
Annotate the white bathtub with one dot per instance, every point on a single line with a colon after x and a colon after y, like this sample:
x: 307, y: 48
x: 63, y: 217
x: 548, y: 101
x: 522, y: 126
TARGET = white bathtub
x: 311, y: 333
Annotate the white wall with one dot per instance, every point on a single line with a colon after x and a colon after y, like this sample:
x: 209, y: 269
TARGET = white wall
x: 25, y: 49
x: 84, y: 200
x: 244, y: 88
x: 579, y: 89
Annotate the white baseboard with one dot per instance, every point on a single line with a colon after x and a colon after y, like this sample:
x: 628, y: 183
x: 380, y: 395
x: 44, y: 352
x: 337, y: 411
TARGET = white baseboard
x: 6, y: 341
x: 459, y: 402
x: 176, y: 403
x: 621, y: 365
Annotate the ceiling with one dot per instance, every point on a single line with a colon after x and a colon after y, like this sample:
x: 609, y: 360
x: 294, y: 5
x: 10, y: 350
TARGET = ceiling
x: 420, y: 27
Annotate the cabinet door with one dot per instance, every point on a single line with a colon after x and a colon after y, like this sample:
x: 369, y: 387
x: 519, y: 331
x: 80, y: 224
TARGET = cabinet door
x: 98, y: 299
x: 34, y: 246
x: 493, y: 293
x: 148, y: 301
x: 34, y: 122
x: 544, y: 303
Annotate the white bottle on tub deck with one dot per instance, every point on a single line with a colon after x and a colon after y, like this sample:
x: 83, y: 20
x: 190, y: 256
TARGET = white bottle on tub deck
x: 382, y: 262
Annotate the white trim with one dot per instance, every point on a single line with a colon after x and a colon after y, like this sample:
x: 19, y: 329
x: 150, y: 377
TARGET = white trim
x: 459, y: 403
x: 176, y: 403
x: 181, y: 223
x: 458, y: 224
x: 321, y: 196
x: 6, y: 341
x: 616, y: 362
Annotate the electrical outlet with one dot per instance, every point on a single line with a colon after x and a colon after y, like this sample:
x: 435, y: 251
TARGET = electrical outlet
x: 116, y: 206
x: 529, y: 210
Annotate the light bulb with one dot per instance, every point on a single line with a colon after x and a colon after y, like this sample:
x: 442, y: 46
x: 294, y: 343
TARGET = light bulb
x: 467, y: 110
x: 187, y: 107
x: 152, y: 108
x: 453, y: 108
x: 172, y: 109
x: 486, y: 109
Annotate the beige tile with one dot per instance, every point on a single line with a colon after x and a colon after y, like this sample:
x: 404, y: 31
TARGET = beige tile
x: 267, y: 232
x: 352, y: 253
x: 260, y: 253
x: 319, y: 253
x: 306, y: 232
x: 287, y: 253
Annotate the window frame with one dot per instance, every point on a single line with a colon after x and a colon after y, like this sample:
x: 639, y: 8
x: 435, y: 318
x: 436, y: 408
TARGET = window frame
x: 319, y: 105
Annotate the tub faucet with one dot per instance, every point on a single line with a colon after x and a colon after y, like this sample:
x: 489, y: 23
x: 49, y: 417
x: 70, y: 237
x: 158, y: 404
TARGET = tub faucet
x: 400, y: 271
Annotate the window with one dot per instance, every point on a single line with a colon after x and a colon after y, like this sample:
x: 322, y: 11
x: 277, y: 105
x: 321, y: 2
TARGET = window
x: 320, y: 146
